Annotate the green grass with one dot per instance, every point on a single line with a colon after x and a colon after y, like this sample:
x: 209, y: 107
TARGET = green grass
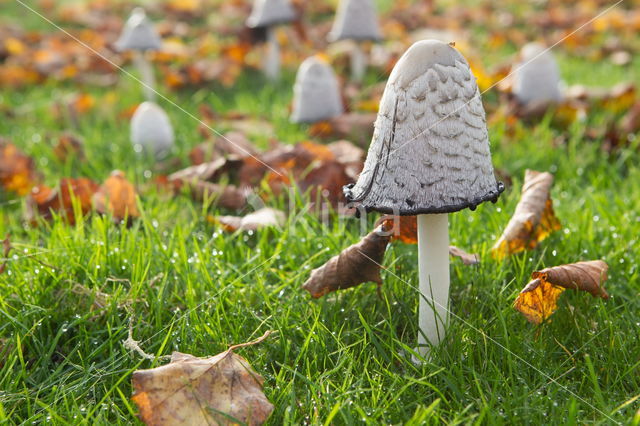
x: 343, y: 359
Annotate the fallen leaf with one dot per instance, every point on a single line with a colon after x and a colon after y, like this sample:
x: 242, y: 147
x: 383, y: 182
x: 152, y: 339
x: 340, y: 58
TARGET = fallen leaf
x: 6, y: 249
x: 262, y: 218
x: 538, y: 300
x: 44, y: 201
x: 69, y: 146
x: 117, y: 196
x: 357, y: 264
x: 467, y: 258
x: 357, y: 127
x: 533, y: 220
x: 17, y: 170
x: 233, y: 144
x: 220, y: 390
x: 401, y: 228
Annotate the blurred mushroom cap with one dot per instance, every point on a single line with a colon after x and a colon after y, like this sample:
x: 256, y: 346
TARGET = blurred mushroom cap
x: 151, y: 130
x: 430, y: 148
x: 536, y: 78
x: 316, y: 95
x: 266, y: 13
x: 138, y: 33
x: 355, y: 20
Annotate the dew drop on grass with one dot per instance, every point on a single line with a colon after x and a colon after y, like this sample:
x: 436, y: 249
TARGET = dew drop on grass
x: 596, y: 218
x: 147, y: 174
x: 155, y: 223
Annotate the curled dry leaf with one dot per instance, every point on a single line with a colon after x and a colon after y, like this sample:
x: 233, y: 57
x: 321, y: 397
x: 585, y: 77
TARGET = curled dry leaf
x: 232, y: 143
x: 44, y: 201
x: 259, y: 219
x: 220, y: 390
x: 117, y: 196
x: 538, y: 300
x: 357, y: 264
x: 467, y: 258
x: 17, y: 170
x: 533, y: 219
x: 357, y: 127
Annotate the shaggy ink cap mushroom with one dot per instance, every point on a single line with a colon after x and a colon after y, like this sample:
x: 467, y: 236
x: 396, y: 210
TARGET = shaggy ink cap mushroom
x: 267, y: 13
x: 355, y: 20
x: 151, y: 129
x: 430, y: 148
x: 138, y: 33
x: 536, y: 77
x: 316, y: 94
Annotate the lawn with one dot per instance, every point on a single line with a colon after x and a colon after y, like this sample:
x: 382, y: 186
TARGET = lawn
x: 71, y: 292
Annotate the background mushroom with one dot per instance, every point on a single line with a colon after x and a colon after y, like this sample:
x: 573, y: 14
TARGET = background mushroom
x: 151, y: 130
x: 316, y: 94
x: 356, y: 20
x: 139, y: 36
x: 429, y: 156
x: 269, y: 14
x: 536, y: 78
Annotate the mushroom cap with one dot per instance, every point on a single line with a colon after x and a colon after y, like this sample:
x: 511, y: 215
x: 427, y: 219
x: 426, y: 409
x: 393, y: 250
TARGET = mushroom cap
x: 536, y: 77
x: 138, y: 33
x: 151, y: 129
x: 266, y: 13
x: 430, y: 147
x: 355, y: 20
x: 316, y: 95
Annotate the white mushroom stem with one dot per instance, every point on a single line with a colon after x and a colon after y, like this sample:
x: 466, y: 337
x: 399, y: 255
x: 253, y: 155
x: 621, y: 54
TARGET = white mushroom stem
x: 358, y: 62
x: 272, y: 60
x: 433, y: 267
x: 146, y: 74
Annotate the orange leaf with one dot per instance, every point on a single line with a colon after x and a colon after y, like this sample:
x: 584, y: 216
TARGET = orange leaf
x: 17, y: 170
x: 43, y: 201
x: 533, y: 220
x: 538, y: 300
x: 117, y: 196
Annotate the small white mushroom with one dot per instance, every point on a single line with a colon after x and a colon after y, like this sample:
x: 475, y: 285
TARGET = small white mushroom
x: 151, y: 130
x: 356, y: 20
x: 429, y: 156
x: 316, y: 94
x: 269, y: 14
x: 140, y: 36
x: 536, y: 78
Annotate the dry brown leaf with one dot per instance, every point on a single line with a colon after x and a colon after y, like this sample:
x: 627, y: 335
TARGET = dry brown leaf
x: 220, y: 390
x: 538, y: 300
x: 69, y: 146
x: 533, y: 220
x: 357, y: 264
x: 357, y: 127
x: 262, y: 218
x: 467, y: 258
x: 232, y: 143
x: 17, y: 170
x: 6, y: 248
x: 117, y: 196
x: 44, y: 201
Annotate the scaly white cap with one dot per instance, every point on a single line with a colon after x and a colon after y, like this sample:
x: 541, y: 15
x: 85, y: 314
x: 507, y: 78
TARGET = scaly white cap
x: 430, y: 147
x: 138, y: 33
x: 316, y: 95
x: 266, y: 13
x: 151, y: 129
x: 536, y: 77
x: 355, y: 20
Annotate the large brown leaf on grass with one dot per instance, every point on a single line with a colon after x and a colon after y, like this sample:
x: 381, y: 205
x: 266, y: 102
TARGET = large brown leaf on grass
x: 117, y: 196
x: 357, y: 264
x: 220, y: 390
x: 44, y: 201
x: 538, y: 300
x: 17, y: 170
x: 533, y: 219
x: 357, y: 127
